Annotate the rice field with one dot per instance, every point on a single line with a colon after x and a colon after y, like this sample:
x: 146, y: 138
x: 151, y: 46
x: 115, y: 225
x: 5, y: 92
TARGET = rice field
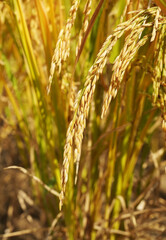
x: 83, y: 95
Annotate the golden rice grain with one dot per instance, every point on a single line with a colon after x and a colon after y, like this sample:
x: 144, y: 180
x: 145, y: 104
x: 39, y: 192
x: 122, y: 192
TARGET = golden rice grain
x: 155, y: 24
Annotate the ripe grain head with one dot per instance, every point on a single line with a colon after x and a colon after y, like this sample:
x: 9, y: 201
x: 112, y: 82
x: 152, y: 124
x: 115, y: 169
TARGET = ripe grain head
x: 62, y: 49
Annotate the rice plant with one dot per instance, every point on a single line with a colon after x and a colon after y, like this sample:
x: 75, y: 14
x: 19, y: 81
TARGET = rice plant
x: 85, y: 89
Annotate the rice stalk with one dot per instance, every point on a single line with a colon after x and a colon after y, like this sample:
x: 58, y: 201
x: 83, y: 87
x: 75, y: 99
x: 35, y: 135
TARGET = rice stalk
x: 76, y: 127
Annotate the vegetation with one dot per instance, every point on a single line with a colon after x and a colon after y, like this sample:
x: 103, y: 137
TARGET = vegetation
x: 83, y: 88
